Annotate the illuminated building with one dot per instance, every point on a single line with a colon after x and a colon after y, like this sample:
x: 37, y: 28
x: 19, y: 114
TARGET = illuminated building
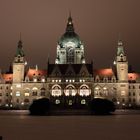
x: 70, y: 81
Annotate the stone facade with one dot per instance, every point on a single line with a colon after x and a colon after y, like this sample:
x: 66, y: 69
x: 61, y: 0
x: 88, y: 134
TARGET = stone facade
x: 70, y: 81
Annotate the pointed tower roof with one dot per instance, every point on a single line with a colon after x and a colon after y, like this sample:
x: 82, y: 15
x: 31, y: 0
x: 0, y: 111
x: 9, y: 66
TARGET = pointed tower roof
x: 70, y: 27
x: 20, y: 51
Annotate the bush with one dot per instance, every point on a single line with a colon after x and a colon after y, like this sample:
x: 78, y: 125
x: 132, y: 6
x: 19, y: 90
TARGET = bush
x: 102, y: 106
x: 40, y: 107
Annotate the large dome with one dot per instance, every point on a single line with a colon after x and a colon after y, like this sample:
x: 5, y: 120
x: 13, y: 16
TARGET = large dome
x: 69, y: 36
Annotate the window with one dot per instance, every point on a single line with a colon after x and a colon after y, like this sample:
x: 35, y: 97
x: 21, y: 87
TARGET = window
x: 43, y: 80
x: 26, y: 101
x: 83, y: 102
x: 42, y: 91
x: 17, y: 100
x: 70, y: 102
x: 129, y: 93
x: 70, y: 90
x: 122, y: 85
x: 17, y: 93
x: 133, y: 93
x: 0, y: 94
x: 26, y: 94
x: 7, y: 94
x: 57, y: 101
x: 18, y: 85
x: 84, y: 90
x: 56, y: 90
x: 123, y: 93
x: 134, y: 100
x: 34, y: 93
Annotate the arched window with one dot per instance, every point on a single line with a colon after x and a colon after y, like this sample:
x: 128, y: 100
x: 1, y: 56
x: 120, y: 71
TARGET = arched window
x: 43, y: 91
x: 70, y: 90
x: 84, y: 90
x: 26, y: 100
x: 27, y: 92
x: 34, y: 91
x: 97, y: 91
x: 56, y: 90
x: 105, y: 91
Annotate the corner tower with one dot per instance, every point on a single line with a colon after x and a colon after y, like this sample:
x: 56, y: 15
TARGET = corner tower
x: 19, y: 64
x: 70, y: 49
x: 121, y: 63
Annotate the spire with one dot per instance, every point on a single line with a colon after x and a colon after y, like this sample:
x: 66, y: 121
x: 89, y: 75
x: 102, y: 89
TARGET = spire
x: 69, y: 27
x: 20, y: 48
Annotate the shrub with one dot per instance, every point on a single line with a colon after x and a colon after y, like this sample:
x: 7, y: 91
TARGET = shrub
x: 40, y: 107
x: 102, y: 106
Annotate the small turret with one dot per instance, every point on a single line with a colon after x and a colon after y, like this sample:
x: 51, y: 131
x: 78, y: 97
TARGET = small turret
x: 19, y: 64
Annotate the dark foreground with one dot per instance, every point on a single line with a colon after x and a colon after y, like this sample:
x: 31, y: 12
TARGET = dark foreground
x: 18, y: 125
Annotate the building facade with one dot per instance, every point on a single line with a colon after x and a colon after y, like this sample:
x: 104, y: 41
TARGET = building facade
x: 71, y: 81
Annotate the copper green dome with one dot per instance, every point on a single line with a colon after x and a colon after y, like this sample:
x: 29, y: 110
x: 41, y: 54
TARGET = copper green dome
x: 69, y: 35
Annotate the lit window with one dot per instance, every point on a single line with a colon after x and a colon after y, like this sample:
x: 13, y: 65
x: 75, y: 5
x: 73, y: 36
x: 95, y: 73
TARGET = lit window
x: 43, y: 80
x: 83, y: 80
x: 17, y: 93
x: 27, y: 94
x: 66, y: 80
x: 80, y: 80
x: 73, y: 80
x: 70, y: 102
x: 56, y: 92
x: 59, y: 80
x: 18, y: 85
x: 11, y: 93
x: 52, y: 80
x: 83, y: 102
x: 70, y: 81
x: 35, y: 80
x: 22, y: 103
x: 57, y: 101
x: 123, y: 93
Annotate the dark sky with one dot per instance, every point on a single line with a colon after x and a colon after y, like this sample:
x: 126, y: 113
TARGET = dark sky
x: 42, y: 22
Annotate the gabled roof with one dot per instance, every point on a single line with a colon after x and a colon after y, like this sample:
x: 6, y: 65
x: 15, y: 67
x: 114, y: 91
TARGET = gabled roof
x: 64, y: 67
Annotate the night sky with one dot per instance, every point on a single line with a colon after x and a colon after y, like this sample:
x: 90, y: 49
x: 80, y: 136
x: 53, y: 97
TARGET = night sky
x: 42, y: 22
